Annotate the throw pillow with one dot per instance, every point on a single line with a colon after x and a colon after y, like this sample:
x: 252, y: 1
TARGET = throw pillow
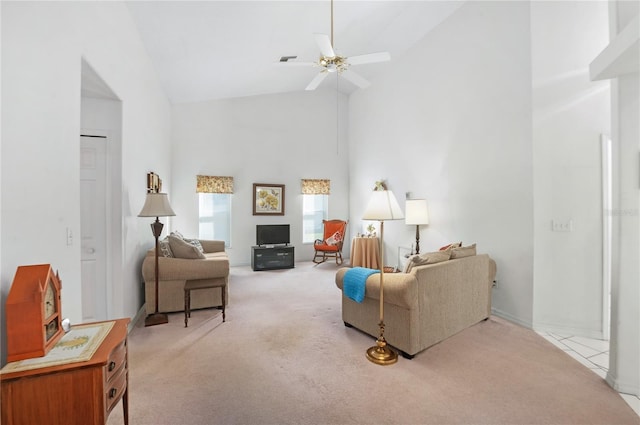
x: 165, y: 248
x: 196, y: 243
x: 182, y: 249
x: 451, y: 246
x: 334, y: 239
x: 177, y: 235
x: 428, y: 258
x: 465, y: 251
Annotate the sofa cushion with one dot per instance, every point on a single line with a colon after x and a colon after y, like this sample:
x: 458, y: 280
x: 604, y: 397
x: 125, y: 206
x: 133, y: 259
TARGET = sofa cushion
x: 220, y: 255
x: 428, y: 258
x: 465, y: 251
x: 183, y: 249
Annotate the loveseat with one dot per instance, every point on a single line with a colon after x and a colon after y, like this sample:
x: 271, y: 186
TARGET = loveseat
x: 175, y: 272
x: 426, y: 305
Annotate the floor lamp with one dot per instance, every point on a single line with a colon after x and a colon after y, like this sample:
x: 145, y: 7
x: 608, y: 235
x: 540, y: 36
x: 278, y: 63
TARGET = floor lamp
x: 382, y: 206
x: 156, y: 205
x: 416, y: 210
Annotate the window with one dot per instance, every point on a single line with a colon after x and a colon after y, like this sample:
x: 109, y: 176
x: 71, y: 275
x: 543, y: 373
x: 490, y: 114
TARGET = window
x: 314, y: 210
x: 214, y: 217
x: 315, y: 200
x: 214, y: 207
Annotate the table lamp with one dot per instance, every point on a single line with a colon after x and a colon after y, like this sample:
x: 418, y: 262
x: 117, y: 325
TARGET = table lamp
x: 382, y: 206
x: 156, y: 205
x: 416, y: 210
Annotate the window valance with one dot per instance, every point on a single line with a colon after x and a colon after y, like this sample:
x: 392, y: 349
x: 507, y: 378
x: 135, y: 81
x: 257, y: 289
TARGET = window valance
x: 214, y: 184
x: 316, y: 186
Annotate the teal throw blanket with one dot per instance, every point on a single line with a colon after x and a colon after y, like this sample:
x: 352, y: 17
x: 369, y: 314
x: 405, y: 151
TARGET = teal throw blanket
x: 354, y: 282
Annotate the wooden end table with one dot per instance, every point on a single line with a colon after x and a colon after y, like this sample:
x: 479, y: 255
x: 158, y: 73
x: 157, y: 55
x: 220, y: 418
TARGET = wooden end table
x: 203, y: 284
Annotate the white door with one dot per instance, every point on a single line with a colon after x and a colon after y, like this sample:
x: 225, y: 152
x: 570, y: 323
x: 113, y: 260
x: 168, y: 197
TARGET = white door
x: 93, y: 224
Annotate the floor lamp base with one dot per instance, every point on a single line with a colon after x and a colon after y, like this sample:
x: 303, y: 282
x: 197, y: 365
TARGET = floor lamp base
x: 156, y: 319
x: 381, y: 353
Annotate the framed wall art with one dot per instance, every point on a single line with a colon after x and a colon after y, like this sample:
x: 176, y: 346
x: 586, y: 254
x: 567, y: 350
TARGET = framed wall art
x: 268, y: 199
x: 154, y: 183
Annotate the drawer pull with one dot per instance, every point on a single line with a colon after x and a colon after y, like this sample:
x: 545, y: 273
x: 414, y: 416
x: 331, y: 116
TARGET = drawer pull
x: 112, y: 365
x: 112, y: 392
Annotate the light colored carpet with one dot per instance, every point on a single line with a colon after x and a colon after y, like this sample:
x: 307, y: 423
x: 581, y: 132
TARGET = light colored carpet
x: 285, y: 357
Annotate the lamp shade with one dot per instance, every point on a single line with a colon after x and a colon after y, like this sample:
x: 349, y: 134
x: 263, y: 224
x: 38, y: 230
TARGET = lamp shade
x: 156, y: 205
x: 416, y: 210
x: 382, y: 206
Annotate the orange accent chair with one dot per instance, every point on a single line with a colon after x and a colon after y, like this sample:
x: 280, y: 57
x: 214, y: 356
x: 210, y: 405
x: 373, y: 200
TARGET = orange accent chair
x: 331, y: 244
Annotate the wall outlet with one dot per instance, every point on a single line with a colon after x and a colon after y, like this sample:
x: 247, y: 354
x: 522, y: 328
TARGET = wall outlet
x: 562, y: 225
x: 495, y: 284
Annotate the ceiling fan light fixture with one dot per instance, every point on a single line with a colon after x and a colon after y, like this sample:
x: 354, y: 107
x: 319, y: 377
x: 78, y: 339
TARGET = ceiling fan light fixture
x: 331, y: 62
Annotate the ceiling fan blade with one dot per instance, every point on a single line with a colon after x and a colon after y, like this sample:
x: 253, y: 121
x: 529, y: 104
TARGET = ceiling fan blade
x: 324, y: 44
x: 355, y: 79
x: 295, y: 64
x: 317, y: 80
x: 370, y: 58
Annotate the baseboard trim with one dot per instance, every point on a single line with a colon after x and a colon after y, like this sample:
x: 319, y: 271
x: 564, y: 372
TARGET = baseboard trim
x: 139, y: 315
x: 568, y: 330
x: 622, y: 387
x: 511, y: 318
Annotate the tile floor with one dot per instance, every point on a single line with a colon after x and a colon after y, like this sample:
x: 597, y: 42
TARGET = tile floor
x: 593, y: 353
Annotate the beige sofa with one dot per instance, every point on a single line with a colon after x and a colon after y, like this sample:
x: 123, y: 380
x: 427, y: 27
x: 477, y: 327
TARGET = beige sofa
x: 425, y: 306
x: 175, y: 272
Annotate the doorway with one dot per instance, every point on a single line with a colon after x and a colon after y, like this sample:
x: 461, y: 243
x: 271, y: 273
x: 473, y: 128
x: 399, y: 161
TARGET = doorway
x: 100, y: 206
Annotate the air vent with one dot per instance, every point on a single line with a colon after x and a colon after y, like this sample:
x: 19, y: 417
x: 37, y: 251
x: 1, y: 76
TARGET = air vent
x: 286, y: 58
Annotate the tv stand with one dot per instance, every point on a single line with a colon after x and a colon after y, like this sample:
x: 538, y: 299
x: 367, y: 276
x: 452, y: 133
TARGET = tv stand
x: 272, y: 257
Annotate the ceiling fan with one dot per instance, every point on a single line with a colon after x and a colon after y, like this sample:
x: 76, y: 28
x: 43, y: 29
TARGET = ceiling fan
x: 331, y: 62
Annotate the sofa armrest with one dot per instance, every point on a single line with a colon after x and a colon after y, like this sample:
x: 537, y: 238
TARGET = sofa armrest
x: 458, y: 287
x: 399, y: 288
x: 185, y: 269
x: 212, y: 246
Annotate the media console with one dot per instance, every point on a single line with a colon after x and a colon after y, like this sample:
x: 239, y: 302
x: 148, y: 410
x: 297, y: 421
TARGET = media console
x: 272, y: 258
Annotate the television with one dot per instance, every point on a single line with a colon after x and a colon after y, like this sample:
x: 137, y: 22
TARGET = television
x: 272, y: 234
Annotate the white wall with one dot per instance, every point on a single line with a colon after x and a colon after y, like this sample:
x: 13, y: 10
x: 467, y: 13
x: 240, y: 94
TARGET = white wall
x: 451, y: 122
x: 277, y: 139
x: 570, y: 112
x: 42, y: 47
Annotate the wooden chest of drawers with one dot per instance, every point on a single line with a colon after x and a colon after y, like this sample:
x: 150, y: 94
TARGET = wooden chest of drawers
x: 81, y: 393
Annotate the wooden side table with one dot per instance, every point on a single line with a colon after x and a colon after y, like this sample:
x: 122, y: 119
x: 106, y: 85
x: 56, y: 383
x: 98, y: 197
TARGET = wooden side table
x: 203, y: 284
x: 365, y: 252
x: 76, y: 393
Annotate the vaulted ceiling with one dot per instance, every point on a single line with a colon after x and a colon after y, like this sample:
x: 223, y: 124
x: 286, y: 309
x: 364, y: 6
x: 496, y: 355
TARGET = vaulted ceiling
x: 205, y: 50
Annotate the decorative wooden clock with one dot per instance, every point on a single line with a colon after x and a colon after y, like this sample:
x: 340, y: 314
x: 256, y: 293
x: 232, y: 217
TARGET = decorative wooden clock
x: 33, y: 313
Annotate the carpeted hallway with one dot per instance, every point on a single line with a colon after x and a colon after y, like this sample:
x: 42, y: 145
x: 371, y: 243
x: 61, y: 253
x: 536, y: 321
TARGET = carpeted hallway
x: 284, y: 357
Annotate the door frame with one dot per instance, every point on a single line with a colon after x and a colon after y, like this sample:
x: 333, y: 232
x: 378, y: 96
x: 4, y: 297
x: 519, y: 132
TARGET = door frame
x: 606, y: 145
